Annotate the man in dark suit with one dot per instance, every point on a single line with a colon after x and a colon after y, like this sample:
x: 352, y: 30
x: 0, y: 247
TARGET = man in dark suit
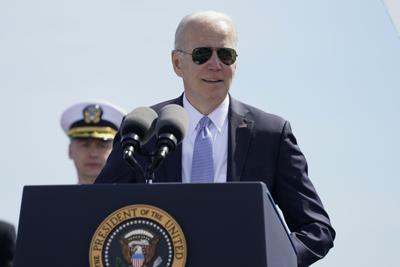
x: 7, y: 244
x: 243, y: 142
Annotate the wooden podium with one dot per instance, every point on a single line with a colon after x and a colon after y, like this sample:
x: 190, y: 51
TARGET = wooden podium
x: 224, y: 225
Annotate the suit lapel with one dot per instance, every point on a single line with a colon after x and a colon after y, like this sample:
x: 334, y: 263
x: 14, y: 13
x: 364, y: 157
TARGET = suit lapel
x: 239, y: 135
x: 172, y: 167
x: 240, y: 130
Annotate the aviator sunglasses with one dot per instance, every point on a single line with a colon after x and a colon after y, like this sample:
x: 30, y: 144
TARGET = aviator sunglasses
x: 201, y: 55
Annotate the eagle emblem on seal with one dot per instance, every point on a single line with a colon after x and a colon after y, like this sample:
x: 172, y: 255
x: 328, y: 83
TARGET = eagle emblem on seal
x: 138, y: 247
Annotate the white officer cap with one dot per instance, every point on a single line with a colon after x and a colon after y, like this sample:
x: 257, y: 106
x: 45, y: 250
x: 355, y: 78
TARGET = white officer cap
x: 92, y: 119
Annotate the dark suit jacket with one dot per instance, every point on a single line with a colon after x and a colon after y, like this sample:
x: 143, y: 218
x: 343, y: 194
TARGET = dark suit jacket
x: 261, y: 147
x: 7, y: 244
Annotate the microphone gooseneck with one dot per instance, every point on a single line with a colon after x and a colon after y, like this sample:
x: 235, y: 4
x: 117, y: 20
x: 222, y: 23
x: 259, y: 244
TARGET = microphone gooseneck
x: 136, y: 129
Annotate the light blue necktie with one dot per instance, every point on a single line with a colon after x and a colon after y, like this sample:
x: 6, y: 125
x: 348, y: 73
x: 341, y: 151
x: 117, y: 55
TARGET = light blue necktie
x: 202, y: 161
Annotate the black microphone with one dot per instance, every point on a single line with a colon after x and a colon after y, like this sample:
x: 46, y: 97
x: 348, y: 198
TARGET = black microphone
x: 170, y: 130
x: 136, y: 129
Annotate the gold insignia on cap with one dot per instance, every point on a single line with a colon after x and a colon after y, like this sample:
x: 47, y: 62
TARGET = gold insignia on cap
x: 92, y: 113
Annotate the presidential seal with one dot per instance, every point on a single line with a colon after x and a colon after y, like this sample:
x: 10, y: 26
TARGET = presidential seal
x: 138, y: 236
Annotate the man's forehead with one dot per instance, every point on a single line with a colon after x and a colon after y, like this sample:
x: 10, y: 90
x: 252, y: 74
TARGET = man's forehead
x: 219, y: 26
x: 205, y: 34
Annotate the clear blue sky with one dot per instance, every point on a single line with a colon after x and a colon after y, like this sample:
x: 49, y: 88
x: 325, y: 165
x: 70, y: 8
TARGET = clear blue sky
x: 332, y: 68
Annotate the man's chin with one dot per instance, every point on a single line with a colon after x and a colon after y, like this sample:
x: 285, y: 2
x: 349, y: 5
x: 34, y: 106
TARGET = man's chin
x: 216, y: 96
x: 93, y: 173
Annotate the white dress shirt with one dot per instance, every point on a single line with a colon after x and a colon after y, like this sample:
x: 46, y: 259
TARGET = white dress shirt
x: 219, y: 132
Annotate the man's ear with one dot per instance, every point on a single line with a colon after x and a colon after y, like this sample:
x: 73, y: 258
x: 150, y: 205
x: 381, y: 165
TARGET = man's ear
x: 176, y: 63
x: 69, y: 150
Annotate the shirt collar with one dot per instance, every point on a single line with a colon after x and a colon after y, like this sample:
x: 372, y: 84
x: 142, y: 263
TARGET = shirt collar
x: 218, y: 116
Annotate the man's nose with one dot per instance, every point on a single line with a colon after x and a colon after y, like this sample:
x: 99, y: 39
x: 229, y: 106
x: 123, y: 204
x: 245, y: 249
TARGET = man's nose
x: 93, y: 151
x: 214, y: 63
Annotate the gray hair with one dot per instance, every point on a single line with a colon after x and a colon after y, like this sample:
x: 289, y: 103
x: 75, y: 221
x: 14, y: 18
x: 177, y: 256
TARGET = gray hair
x: 201, y: 16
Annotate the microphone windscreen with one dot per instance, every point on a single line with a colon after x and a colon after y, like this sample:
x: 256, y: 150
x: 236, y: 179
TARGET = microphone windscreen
x: 141, y: 121
x: 174, y: 120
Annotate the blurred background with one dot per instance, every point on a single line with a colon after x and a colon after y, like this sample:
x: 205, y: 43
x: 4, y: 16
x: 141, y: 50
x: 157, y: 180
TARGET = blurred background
x: 332, y: 68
